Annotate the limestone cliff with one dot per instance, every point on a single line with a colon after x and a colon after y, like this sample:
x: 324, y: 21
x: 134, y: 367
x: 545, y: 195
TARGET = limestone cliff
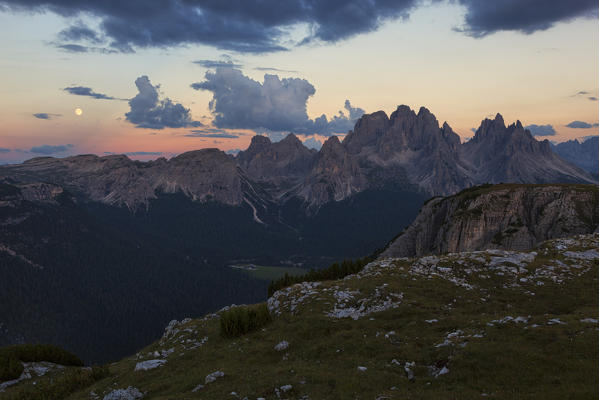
x: 512, y: 217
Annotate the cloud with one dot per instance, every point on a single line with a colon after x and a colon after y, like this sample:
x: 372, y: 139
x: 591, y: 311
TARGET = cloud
x: 86, y: 91
x: 579, y: 125
x: 148, y: 111
x: 279, y: 105
x: 212, y: 133
x: 486, y: 17
x: 143, y: 153
x: 77, y: 48
x: 541, y: 130
x: 271, y: 69
x: 47, y: 149
x: 593, y: 98
x: 261, y: 26
x: 313, y: 143
x: 3, y: 150
x: 80, y: 32
x: 253, y: 26
x: 45, y: 115
x: 217, y: 64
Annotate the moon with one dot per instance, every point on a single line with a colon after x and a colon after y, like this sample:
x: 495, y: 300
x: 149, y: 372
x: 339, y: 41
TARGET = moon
x: 78, y: 111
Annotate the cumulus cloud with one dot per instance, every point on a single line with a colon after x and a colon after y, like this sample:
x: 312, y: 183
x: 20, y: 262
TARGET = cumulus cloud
x: 87, y: 91
x: 278, y: 105
x: 148, y: 111
x: 541, y: 130
x: 581, y: 125
x: 47, y: 149
x: 486, y: 17
x: 45, y: 115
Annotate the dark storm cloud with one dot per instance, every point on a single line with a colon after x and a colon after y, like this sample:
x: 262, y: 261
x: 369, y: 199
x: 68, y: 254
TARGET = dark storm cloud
x: 245, y: 26
x: 45, y: 115
x: 541, y: 130
x: 486, y: 17
x: 239, y: 102
x: 148, y: 111
x: 87, y: 91
x: 80, y: 32
x: 47, y: 149
x: 260, y: 26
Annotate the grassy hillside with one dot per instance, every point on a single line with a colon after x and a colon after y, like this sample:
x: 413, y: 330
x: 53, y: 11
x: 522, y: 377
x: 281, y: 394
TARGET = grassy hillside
x: 493, y: 324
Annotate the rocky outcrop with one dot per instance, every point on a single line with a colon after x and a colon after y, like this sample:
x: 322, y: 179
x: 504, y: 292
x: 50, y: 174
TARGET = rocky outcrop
x: 512, y: 217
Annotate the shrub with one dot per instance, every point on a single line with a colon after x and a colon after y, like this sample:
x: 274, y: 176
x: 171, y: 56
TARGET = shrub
x: 62, y: 386
x: 10, y: 368
x: 11, y: 358
x: 240, y: 320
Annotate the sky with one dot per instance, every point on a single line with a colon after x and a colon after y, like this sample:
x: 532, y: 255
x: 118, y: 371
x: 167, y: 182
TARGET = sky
x: 158, y: 78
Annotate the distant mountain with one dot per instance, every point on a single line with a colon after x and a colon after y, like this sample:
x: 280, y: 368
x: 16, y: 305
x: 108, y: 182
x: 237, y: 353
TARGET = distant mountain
x: 118, y: 231
x: 509, y: 216
x: 583, y: 154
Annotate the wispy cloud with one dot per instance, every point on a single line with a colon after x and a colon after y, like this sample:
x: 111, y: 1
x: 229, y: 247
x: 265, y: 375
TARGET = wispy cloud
x: 88, y: 92
x: 47, y: 149
x: 45, y: 115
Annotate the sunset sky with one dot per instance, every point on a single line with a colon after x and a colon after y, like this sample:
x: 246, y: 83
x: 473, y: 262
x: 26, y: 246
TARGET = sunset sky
x: 181, y: 75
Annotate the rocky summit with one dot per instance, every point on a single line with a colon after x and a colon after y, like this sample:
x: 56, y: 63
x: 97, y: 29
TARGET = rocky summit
x: 406, y: 149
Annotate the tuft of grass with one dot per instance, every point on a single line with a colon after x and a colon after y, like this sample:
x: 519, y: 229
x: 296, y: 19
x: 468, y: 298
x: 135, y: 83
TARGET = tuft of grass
x: 241, y: 320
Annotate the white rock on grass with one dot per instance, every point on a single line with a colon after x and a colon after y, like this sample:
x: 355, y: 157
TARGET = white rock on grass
x: 362, y: 369
x: 149, y: 364
x: 130, y: 393
x: 408, y: 368
x: 284, y: 345
x: 214, y: 376
x: 589, y: 320
x: 195, y: 389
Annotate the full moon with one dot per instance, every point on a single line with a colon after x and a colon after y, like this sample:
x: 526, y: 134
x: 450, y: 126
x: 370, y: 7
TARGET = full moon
x: 78, y: 111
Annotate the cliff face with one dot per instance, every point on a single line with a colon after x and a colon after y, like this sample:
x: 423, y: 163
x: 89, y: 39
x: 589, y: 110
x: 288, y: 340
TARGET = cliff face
x: 511, y: 217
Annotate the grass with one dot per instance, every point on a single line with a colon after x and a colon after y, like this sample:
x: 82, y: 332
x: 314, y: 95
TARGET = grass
x: 12, y: 356
x: 238, y: 321
x: 508, y: 362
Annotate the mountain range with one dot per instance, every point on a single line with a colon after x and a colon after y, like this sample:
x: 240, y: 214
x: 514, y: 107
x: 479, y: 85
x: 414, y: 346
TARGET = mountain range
x: 584, y: 154
x: 91, y: 228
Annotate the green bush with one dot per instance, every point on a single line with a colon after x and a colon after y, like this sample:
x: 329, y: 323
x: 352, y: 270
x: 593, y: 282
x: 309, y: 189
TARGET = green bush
x: 335, y: 271
x: 10, y: 368
x: 11, y: 358
x: 241, y: 320
x: 62, y: 386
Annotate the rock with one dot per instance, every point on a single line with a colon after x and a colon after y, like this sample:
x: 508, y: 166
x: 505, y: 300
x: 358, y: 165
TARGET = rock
x: 214, y: 376
x: 589, y: 320
x: 149, y: 364
x: 362, y: 369
x: 504, y: 217
x: 197, y: 388
x: 130, y: 393
x: 284, y: 345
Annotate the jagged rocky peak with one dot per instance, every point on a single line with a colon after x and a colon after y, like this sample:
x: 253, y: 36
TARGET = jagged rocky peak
x: 511, y: 217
